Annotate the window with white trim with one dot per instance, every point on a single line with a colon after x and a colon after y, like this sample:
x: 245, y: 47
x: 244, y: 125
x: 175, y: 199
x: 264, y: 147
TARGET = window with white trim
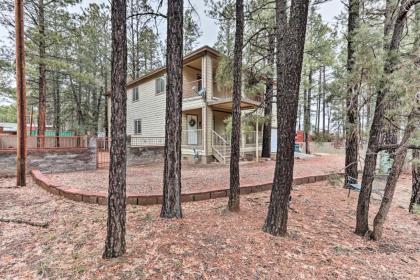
x: 160, y: 85
x: 135, y: 94
x: 137, y: 126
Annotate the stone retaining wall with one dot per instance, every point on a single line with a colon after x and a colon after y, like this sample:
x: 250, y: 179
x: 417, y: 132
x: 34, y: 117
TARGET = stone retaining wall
x: 144, y: 155
x: 51, y: 160
x: 101, y: 197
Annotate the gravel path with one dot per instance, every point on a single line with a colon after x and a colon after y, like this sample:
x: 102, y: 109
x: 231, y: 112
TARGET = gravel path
x: 195, y: 178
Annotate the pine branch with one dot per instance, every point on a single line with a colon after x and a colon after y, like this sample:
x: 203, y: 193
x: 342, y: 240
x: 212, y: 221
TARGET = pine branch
x: 19, y: 221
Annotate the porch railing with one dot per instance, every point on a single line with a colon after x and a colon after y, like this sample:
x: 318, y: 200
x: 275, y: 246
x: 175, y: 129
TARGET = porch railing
x: 220, y: 147
x: 142, y: 141
x: 189, y: 138
x: 9, y: 142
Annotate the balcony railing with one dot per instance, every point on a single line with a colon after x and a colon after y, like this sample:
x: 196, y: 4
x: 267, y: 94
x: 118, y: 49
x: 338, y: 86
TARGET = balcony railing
x: 226, y: 94
x: 9, y: 142
x: 192, y: 89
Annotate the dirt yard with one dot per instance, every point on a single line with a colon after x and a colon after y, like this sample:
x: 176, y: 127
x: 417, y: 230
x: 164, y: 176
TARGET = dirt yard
x: 147, y: 179
x: 208, y: 243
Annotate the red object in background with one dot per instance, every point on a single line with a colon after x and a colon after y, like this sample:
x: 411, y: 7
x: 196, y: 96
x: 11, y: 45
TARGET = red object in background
x: 300, y: 137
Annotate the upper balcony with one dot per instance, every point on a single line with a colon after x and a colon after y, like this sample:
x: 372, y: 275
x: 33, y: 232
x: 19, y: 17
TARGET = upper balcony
x: 199, y: 84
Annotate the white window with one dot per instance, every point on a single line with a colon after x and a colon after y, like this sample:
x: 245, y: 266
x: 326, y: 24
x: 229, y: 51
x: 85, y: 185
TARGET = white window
x: 135, y: 94
x: 137, y: 126
x: 160, y: 84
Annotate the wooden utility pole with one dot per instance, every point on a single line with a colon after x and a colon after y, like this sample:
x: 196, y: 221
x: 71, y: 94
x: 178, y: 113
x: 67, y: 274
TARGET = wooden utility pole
x: 20, y: 96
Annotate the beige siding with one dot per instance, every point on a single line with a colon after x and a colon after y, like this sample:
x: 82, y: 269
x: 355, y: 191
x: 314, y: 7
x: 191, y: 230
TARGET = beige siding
x: 274, y: 115
x: 193, y: 103
x: 190, y: 74
x: 219, y: 124
x: 207, y: 69
x: 150, y: 108
x: 208, y: 124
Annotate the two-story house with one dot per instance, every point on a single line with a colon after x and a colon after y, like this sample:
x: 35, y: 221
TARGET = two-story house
x: 204, y: 109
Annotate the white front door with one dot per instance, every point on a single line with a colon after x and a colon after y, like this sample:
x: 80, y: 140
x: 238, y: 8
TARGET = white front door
x: 192, y: 125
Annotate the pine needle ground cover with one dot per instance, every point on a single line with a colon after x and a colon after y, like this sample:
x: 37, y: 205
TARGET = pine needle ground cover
x: 210, y: 242
x: 147, y: 179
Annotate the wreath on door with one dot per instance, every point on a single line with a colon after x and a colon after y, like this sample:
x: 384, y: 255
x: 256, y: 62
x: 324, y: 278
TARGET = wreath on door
x: 192, y: 122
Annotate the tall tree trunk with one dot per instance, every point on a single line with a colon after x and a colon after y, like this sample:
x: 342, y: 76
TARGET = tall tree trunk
x: 318, y: 104
x: 171, y: 204
x: 323, y: 101
x: 290, y: 46
x: 266, y: 145
x: 415, y: 191
x: 42, y: 105
x: 389, y: 132
x: 391, y: 182
x: 362, y: 225
x: 116, y: 222
x: 307, y: 117
x: 352, y: 147
x: 233, y: 203
x: 57, y: 110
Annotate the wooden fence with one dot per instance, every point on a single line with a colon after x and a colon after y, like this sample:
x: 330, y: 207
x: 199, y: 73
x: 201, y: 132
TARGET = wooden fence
x: 9, y: 142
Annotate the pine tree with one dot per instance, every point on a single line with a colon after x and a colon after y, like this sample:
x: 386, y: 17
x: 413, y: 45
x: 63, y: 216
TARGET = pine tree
x: 116, y: 222
x: 234, y: 200
x: 352, y: 143
x: 171, y: 204
x: 290, y: 45
x: 391, y: 60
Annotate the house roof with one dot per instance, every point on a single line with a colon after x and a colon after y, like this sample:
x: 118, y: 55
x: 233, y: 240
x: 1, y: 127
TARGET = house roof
x: 187, y: 58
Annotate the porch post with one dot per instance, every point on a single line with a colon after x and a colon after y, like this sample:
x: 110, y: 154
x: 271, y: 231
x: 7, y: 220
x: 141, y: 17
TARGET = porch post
x: 256, y: 141
x: 204, y: 128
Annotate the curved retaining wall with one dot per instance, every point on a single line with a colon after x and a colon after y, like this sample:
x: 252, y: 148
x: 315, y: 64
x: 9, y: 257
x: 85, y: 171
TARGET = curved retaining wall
x: 101, y: 197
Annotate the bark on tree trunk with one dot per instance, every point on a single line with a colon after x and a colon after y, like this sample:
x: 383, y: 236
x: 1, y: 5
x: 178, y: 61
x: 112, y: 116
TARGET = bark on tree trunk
x: 42, y: 105
x: 318, y: 103
x: 415, y: 191
x: 307, y: 117
x: 290, y: 45
x: 391, y: 181
x: 233, y: 203
x: 266, y: 145
x: 116, y: 222
x: 323, y: 101
x: 57, y: 110
x: 362, y: 225
x: 352, y: 147
x: 171, y: 204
